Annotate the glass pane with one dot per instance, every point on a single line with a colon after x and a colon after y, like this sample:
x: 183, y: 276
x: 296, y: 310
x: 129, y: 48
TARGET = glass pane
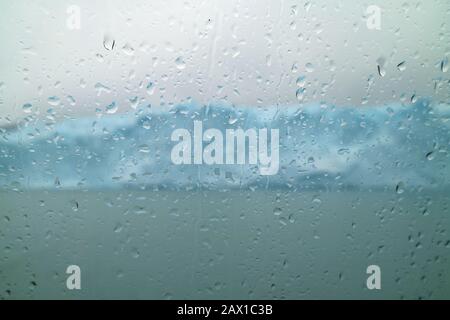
x: 224, y: 149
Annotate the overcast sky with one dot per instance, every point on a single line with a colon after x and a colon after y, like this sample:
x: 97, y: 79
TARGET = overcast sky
x: 244, y: 52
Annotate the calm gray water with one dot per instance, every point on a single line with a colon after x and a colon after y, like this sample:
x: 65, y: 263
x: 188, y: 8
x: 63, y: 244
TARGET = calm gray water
x: 225, y: 245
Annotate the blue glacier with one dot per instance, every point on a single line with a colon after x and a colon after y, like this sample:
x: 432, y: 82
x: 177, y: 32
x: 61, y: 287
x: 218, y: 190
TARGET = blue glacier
x: 320, y: 147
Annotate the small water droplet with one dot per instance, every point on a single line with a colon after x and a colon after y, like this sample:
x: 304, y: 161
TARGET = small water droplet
x: 444, y: 65
x: 128, y: 49
x: 232, y: 120
x: 134, y: 102
x: 307, y: 6
x: 300, y: 94
x: 301, y: 81
x: 143, y: 148
x: 401, y: 66
x: 112, y: 108
x: 179, y: 62
x: 430, y: 155
x: 400, y: 188
x: 381, y: 71
x: 75, y: 205
x: 109, y: 43
x: 118, y: 228
x: 53, y: 101
x: 316, y: 200
x: 135, y: 253
x: 71, y: 100
x: 150, y: 88
x: 309, y: 67
x: 27, y: 108
x: 277, y: 211
x: 100, y: 88
x: 146, y: 123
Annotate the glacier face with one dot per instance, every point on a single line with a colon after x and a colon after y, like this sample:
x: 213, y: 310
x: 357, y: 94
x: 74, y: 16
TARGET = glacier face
x: 320, y: 146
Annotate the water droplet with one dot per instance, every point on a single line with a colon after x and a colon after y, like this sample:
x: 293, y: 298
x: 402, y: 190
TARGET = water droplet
x: 430, y: 155
x: 150, y: 88
x: 146, y: 123
x: 309, y: 67
x: 99, y: 57
x: 401, y: 66
x: 100, y: 88
x: 444, y: 65
x: 27, y: 108
x: 112, y: 108
x: 179, y: 62
x: 307, y: 6
x: 135, y: 253
x: 300, y: 94
x: 128, y: 49
x: 316, y: 200
x: 143, y: 148
x: 118, y: 228
x: 301, y: 81
x: 232, y: 120
x: 134, y: 102
x: 108, y: 43
x: 75, y: 205
x: 381, y: 71
x: 53, y: 101
x: 343, y: 151
x: 71, y: 100
x: 400, y: 188
x: 277, y: 211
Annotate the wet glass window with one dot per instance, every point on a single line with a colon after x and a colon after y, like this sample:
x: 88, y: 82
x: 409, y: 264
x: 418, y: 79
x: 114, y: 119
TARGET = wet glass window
x: 224, y: 149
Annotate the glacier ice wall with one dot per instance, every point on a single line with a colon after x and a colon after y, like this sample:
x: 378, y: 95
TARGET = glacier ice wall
x: 320, y: 147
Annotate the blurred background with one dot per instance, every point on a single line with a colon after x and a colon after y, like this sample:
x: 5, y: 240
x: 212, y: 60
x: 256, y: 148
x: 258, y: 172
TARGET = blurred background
x: 90, y: 92
x: 245, y: 52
